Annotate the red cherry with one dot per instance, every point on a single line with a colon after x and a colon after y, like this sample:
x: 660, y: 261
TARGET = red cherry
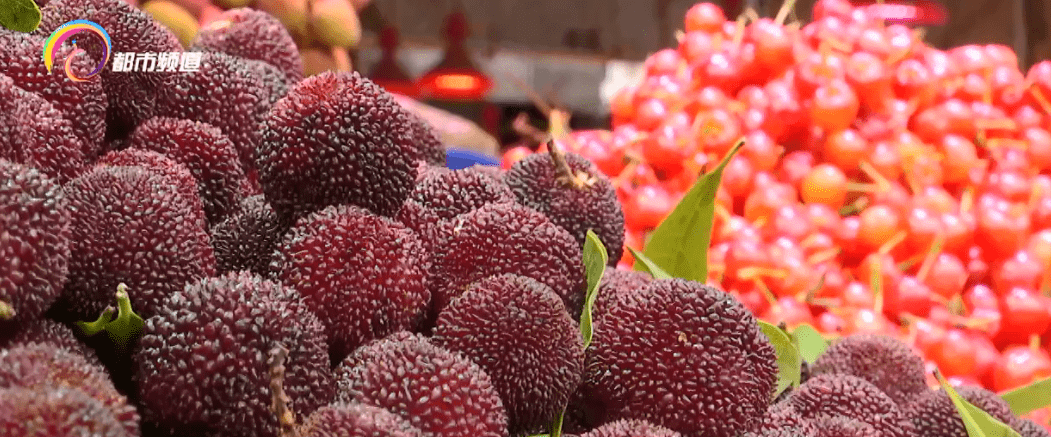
x: 650, y: 204
x: 650, y: 113
x: 705, y: 17
x: 831, y: 8
x: 909, y: 296
x: 1000, y: 232
x: 745, y: 253
x: 858, y: 295
x: 1039, y: 150
x: 818, y: 69
x: 790, y: 311
x: 970, y: 58
x: 929, y: 335
x: 947, y: 276
x: 773, y: 45
x: 761, y: 150
x: 719, y: 130
x: 1025, y: 313
x: 622, y: 106
x: 738, y: 176
x: 868, y: 74
x: 664, y: 62
x: 835, y: 106
x: 791, y: 221
x: 1021, y: 270
x: 960, y: 156
x: 696, y: 46
x: 1020, y: 365
x: 956, y: 355
x: 825, y: 184
x: 763, y: 202
x: 513, y: 155
x: 877, y: 224
x: 912, y: 80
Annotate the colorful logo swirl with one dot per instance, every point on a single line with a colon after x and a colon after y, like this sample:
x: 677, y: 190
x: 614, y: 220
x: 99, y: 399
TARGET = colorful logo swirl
x: 64, y: 33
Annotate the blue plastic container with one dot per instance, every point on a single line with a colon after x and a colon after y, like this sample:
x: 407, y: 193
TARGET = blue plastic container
x: 457, y: 159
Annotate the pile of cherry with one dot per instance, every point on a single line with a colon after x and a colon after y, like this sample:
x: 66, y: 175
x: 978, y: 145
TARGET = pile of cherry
x: 884, y: 185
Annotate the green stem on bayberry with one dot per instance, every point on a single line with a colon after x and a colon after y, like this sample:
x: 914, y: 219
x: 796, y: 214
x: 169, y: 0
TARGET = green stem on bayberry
x: 6, y: 311
x: 91, y: 328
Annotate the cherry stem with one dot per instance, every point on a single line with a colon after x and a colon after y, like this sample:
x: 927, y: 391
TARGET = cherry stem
x: 786, y: 8
x: 279, y: 399
x: 6, y: 311
x: 527, y: 131
x: 1034, y: 342
x: 765, y: 290
x: 932, y: 255
x: 739, y: 31
x: 892, y: 242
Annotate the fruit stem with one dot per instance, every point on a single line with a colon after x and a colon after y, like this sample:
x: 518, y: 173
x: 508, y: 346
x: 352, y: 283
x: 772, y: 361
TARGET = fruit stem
x: 892, y: 242
x: 1040, y: 98
x: 286, y: 418
x: 932, y: 255
x: 739, y: 31
x: 91, y: 328
x: 530, y: 133
x: 6, y: 311
x: 1034, y: 342
x: 786, y: 8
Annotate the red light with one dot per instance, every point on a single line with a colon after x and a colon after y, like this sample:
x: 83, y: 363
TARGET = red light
x: 457, y: 82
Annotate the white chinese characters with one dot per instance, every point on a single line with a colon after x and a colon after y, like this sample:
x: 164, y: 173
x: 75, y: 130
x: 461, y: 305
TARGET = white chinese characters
x: 165, y: 62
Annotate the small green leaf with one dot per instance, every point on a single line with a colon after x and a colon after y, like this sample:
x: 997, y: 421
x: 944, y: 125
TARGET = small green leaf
x: 680, y: 243
x: 644, y: 264
x: 19, y: 15
x: 595, y: 259
x: 789, y: 362
x: 978, y: 422
x: 810, y: 342
x: 1029, y: 398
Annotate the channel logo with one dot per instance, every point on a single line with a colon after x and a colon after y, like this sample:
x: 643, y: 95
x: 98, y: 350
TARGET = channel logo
x: 67, y: 31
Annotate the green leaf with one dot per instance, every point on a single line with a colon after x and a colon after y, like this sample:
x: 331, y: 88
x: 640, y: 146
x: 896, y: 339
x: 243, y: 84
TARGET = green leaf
x: 556, y: 428
x: 6, y: 311
x: 123, y: 329
x: 1029, y: 398
x: 789, y: 362
x: 978, y: 422
x: 680, y: 243
x: 810, y: 342
x: 595, y: 259
x: 19, y: 15
x: 644, y: 264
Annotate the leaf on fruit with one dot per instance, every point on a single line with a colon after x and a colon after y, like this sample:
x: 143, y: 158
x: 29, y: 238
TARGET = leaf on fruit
x: 789, y: 362
x: 978, y: 422
x: 19, y: 15
x: 595, y: 259
x: 644, y: 264
x: 810, y: 342
x: 680, y: 243
x: 1030, y: 397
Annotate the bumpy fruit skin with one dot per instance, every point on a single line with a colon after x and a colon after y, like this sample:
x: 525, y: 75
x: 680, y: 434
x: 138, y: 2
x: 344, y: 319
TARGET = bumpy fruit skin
x: 202, y: 360
x: 617, y: 282
x: 184, y: 181
x: 536, y: 377
x: 710, y: 341
x: 452, y: 193
x: 203, y: 149
x: 935, y: 415
x: 38, y: 366
x: 56, y: 411
x: 273, y: 79
x: 1029, y: 428
x: 839, y: 426
x: 364, y: 275
x: 440, y: 392
x: 224, y: 93
x: 631, y: 428
x: 34, y: 133
x: 82, y: 103
x: 52, y: 333
x: 131, y: 95
x: 537, y: 184
x: 851, y: 397
x: 428, y: 146
x: 252, y: 34
x: 787, y: 431
x: 336, y: 138
x: 782, y: 415
x: 355, y: 420
x: 34, y: 247
x: 132, y: 225
x: 885, y: 361
x: 509, y: 238
x: 247, y: 239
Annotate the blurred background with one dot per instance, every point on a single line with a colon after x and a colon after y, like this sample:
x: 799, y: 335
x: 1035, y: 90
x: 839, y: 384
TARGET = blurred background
x: 579, y: 52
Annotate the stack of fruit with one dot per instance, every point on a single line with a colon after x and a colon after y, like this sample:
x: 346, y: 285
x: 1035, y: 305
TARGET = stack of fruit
x: 237, y: 251
x: 324, y: 30
x: 884, y: 185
